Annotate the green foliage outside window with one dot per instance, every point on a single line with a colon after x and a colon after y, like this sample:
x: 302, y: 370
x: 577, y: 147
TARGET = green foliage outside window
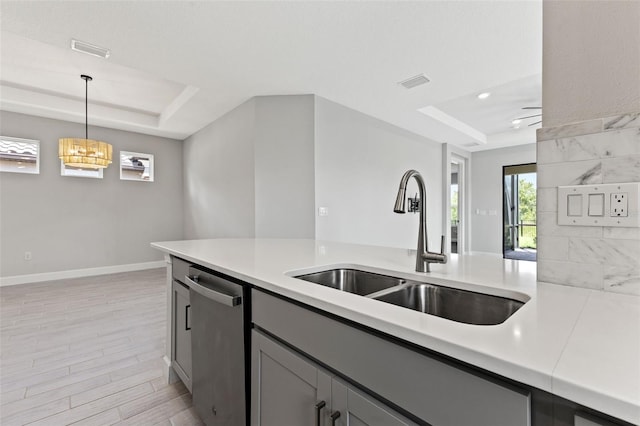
x: 527, y: 201
x: 454, y: 206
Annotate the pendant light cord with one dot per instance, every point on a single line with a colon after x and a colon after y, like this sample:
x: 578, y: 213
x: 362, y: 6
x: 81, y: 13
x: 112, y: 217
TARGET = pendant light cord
x: 86, y: 109
x: 87, y: 79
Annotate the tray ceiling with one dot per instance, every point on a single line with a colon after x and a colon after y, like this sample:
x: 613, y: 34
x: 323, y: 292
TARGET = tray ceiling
x: 177, y: 66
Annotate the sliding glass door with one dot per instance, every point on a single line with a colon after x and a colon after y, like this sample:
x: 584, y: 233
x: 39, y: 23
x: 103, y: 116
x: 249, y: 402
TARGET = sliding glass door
x: 519, y: 239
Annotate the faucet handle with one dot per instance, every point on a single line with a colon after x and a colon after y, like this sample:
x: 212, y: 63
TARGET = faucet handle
x: 433, y: 257
x: 442, y: 242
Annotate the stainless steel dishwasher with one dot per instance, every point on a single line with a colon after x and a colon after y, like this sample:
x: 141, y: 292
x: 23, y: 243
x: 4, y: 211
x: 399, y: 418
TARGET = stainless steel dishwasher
x: 220, y: 347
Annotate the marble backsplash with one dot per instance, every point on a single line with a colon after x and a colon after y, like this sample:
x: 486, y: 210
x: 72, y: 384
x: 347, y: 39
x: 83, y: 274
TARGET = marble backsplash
x: 605, y: 150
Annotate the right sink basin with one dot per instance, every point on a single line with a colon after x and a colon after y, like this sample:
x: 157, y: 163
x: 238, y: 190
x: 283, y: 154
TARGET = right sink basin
x: 457, y: 305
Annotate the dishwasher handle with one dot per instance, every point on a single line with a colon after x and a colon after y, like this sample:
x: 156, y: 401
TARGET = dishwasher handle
x: 209, y: 293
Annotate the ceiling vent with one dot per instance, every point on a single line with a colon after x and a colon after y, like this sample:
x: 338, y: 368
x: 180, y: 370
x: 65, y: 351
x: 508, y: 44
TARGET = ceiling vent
x: 90, y: 49
x: 412, y: 82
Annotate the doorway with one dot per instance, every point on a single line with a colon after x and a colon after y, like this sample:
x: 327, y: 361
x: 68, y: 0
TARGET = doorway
x: 457, y: 205
x: 519, y: 236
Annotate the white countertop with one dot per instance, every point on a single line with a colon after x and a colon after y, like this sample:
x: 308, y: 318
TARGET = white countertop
x: 580, y: 344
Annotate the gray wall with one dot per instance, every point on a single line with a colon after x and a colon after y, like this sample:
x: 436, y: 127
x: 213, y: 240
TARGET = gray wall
x: 359, y: 163
x: 250, y: 173
x: 486, y: 193
x: 284, y: 169
x: 591, y: 60
x: 219, y: 175
x: 75, y: 223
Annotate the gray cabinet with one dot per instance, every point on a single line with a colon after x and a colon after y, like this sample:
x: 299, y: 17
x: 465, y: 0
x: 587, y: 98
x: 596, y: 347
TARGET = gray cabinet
x: 436, y: 391
x: 285, y: 388
x: 581, y: 419
x: 356, y: 409
x: 181, y: 349
x: 288, y: 389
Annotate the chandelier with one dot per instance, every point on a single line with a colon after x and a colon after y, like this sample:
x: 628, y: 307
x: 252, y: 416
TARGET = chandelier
x: 85, y: 153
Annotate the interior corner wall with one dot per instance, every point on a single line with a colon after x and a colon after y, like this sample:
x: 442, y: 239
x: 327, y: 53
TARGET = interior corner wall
x: 284, y: 167
x: 263, y: 169
x: 70, y: 223
x: 359, y: 162
x: 250, y: 173
x: 219, y: 188
x: 486, y: 193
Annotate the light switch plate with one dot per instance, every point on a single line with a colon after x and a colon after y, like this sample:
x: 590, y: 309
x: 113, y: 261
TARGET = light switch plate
x: 574, y: 205
x: 596, y: 199
x: 596, y: 205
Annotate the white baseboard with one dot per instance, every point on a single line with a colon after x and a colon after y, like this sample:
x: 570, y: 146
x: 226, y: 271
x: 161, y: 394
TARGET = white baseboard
x: 169, y: 373
x: 486, y: 253
x: 77, y: 273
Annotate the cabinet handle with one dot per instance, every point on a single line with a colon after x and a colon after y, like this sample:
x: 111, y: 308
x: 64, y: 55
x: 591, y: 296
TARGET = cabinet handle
x: 334, y: 416
x: 187, y: 327
x: 319, y: 406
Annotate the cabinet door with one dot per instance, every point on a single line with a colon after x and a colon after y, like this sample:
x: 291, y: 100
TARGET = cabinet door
x: 586, y: 420
x: 285, y: 389
x: 355, y: 409
x: 181, y: 354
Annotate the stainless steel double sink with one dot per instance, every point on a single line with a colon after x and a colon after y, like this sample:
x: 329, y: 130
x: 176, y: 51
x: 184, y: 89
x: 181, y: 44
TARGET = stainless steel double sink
x: 463, y: 306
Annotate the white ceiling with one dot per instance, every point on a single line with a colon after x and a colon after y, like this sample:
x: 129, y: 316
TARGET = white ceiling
x: 176, y: 66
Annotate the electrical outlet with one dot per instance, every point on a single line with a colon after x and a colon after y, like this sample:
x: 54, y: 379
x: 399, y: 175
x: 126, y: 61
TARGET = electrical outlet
x: 619, y: 204
x: 27, y: 255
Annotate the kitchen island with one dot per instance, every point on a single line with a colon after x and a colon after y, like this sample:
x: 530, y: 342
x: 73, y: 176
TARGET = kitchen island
x: 579, y: 344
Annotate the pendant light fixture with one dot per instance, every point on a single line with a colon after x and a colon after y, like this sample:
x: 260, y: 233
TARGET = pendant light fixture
x: 85, y: 153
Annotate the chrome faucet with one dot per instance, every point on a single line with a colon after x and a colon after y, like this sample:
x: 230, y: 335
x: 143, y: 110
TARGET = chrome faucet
x: 424, y: 257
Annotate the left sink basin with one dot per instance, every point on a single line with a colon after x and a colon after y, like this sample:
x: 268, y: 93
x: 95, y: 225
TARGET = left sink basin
x: 352, y: 280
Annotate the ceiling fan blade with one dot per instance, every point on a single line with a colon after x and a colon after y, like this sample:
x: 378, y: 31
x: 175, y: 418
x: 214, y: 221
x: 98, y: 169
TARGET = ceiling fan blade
x: 529, y: 116
x: 537, y: 122
x: 531, y: 107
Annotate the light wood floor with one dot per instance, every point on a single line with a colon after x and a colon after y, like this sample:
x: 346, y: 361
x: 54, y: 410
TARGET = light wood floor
x: 88, y: 351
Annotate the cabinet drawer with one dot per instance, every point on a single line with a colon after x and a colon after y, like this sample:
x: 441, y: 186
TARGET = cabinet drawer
x: 432, y: 390
x: 180, y: 268
x: 586, y: 420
